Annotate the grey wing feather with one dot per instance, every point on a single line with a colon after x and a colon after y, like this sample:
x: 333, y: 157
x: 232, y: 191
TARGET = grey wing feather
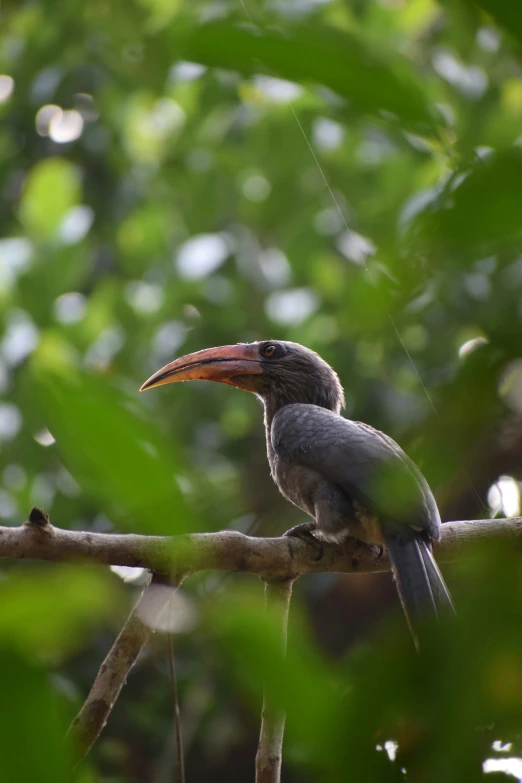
x: 365, y: 463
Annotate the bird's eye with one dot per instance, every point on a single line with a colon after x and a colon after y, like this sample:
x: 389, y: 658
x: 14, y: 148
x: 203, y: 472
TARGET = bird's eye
x: 269, y: 350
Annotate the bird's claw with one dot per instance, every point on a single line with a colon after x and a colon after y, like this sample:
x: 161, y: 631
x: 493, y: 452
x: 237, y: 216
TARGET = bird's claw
x: 304, y: 533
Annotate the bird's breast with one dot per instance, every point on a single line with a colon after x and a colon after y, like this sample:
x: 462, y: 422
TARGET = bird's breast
x: 336, y: 515
x: 295, y: 482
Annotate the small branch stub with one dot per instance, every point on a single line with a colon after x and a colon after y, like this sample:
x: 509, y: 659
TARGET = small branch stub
x: 38, y: 518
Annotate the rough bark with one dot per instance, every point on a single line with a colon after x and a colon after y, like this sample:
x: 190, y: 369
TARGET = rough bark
x: 278, y: 561
x: 269, y: 558
x: 92, y: 718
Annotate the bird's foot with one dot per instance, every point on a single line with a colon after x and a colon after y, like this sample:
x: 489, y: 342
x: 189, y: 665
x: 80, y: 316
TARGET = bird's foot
x: 304, y: 533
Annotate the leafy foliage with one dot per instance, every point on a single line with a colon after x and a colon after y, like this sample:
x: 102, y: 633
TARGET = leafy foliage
x: 164, y: 189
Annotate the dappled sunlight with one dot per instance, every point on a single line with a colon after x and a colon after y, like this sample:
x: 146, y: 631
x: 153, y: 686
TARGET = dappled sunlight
x: 168, y: 610
x: 291, y: 307
x: 186, y: 72
x: 469, y: 79
x: 129, y: 575
x: 10, y: 421
x: 510, y: 766
x: 168, y: 339
x: 8, y: 505
x: 144, y: 297
x: 278, y: 90
x: 469, y: 346
x: 255, y: 187
x: 44, y: 438
x: 504, y: 497
x: 105, y: 347
x: 327, y: 135
x: 76, y: 224
x: 275, y: 266
x: 178, y: 176
x: 20, y: 337
x: 14, y: 476
x: 355, y: 247
x: 201, y: 255
x: 44, y: 116
x: 70, y: 308
x: 6, y: 87
x: 65, y: 126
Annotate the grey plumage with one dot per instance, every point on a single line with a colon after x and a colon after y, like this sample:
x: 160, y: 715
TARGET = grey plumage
x: 351, y: 478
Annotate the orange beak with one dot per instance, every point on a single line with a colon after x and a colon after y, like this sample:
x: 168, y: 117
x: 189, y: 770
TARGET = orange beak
x: 226, y: 364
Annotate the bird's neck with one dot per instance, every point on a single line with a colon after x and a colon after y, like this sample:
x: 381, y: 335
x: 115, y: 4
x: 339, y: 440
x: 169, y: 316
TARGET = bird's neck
x: 270, y: 412
x: 273, y: 402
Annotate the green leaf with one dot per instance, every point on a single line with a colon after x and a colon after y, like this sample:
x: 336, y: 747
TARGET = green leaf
x: 52, y: 611
x: 32, y: 729
x: 375, y: 82
x: 507, y: 14
x: 300, y: 683
x: 52, y: 187
x: 480, y: 212
x: 119, y: 458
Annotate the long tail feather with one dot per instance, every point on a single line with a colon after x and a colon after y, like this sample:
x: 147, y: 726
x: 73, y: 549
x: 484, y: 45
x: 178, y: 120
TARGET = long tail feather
x: 420, y: 584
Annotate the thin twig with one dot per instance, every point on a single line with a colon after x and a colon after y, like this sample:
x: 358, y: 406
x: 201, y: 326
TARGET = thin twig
x: 180, y: 757
x: 92, y: 718
x: 270, y: 748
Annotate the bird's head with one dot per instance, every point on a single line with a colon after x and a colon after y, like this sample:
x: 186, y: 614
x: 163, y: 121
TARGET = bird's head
x: 279, y: 372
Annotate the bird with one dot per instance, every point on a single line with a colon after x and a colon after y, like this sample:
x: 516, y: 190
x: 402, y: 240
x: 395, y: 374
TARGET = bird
x: 351, y: 479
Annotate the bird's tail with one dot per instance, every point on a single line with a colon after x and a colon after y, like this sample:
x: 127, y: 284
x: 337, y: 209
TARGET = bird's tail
x: 420, y: 584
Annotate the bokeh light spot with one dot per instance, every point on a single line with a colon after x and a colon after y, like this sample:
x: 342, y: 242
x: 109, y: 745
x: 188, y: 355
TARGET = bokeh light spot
x: 327, y: 135
x: 166, y: 609
x: 470, y: 346
x: 76, y: 224
x: 201, y: 255
x: 278, y: 90
x: 44, y: 438
x: 20, y: 338
x: 504, y: 496
x: 10, y: 421
x: 44, y: 117
x: 66, y: 126
x: 6, y: 87
x: 70, y: 308
x: 144, y: 297
x: 355, y: 247
x: 292, y: 307
x: 256, y: 188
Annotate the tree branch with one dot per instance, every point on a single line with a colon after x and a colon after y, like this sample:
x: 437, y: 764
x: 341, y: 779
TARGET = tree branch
x: 269, y: 558
x: 90, y: 721
x: 270, y: 749
x: 276, y: 560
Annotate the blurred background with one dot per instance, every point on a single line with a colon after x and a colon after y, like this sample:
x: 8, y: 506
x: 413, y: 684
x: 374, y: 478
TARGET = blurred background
x: 174, y: 176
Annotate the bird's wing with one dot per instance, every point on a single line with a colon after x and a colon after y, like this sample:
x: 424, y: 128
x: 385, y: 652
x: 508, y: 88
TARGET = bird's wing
x: 365, y: 463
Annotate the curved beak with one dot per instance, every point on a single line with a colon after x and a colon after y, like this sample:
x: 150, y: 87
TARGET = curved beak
x: 226, y: 364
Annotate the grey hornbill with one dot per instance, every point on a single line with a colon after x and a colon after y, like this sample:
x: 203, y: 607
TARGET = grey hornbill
x: 350, y: 478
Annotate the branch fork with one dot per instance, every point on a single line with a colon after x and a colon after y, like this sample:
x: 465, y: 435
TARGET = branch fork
x: 278, y: 561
